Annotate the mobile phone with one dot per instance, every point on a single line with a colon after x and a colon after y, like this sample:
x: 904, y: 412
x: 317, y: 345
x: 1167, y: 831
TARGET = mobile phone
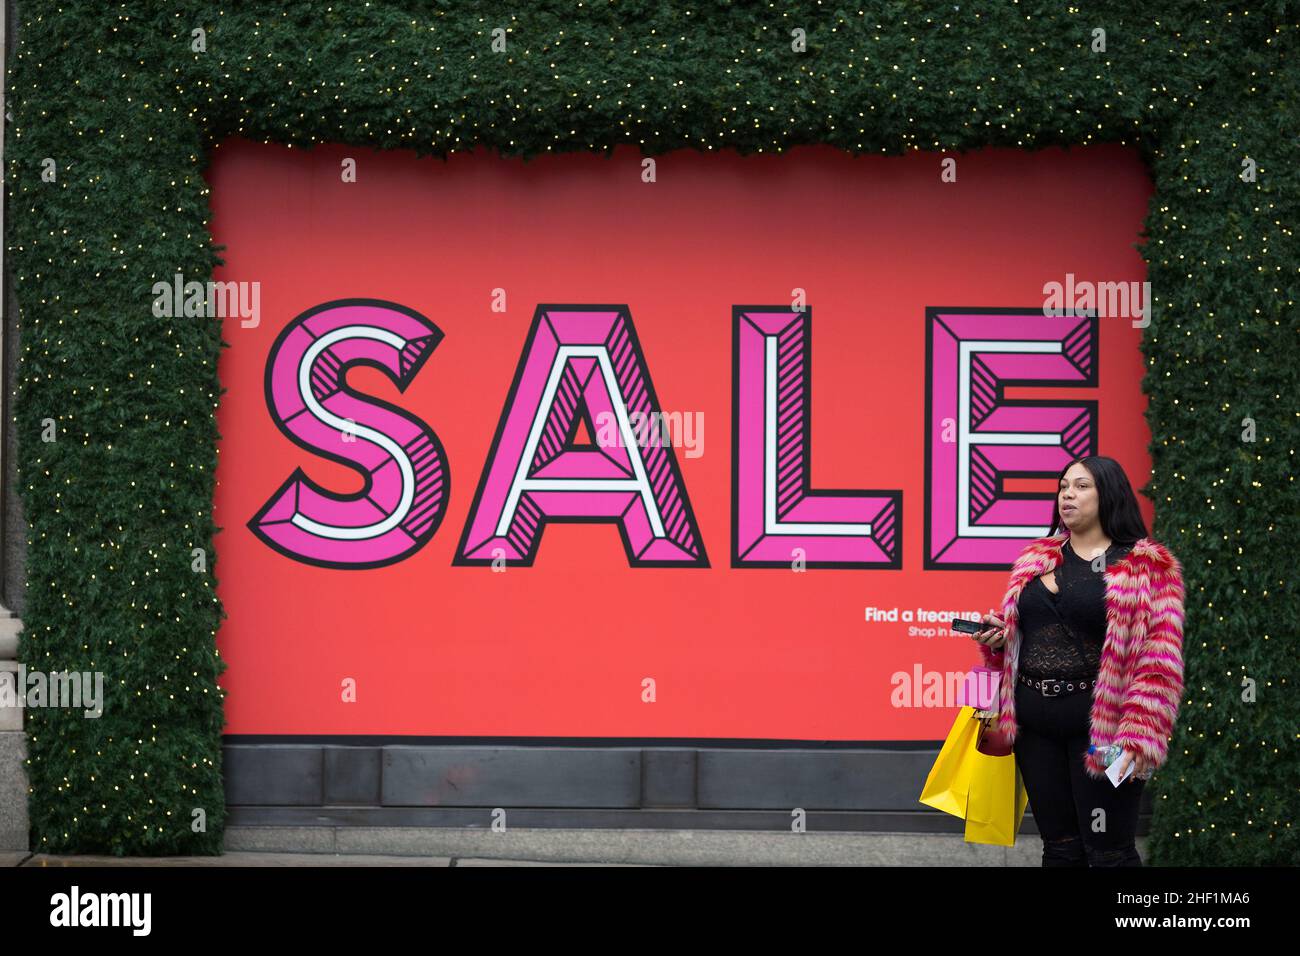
x: 965, y: 626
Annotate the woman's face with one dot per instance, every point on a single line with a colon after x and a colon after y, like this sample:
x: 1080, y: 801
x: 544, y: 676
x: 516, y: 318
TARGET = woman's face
x: 1077, y: 498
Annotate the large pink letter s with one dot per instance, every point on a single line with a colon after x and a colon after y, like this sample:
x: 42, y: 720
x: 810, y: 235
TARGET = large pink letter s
x: 402, y: 460
x: 580, y: 357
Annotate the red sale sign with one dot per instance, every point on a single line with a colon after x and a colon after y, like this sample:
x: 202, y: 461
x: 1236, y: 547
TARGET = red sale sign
x: 528, y: 449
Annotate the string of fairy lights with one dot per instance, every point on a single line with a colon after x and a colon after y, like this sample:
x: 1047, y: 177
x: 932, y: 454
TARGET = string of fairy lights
x: 119, y: 502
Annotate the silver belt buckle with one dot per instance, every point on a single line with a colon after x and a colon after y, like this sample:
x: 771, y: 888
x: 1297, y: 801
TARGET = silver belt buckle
x: 1055, y: 690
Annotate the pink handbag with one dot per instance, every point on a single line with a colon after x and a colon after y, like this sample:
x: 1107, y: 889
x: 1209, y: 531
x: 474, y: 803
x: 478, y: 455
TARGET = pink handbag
x: 980, y: 690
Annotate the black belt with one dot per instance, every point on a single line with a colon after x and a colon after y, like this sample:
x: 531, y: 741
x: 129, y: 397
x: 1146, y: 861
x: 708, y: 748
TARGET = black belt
x: 1052, y: 687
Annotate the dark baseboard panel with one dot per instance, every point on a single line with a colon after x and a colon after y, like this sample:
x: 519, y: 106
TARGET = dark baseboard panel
x: 594, y: 818
x: 705, y: 785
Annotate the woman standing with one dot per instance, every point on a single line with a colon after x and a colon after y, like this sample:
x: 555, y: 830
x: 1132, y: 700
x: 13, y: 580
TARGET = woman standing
x: 1089, y: 643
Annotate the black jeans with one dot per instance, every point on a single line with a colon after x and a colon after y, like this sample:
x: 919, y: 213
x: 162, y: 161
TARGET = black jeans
x: 1083, y: 821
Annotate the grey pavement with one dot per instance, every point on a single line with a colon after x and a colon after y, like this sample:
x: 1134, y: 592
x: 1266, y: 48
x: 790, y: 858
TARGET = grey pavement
x: 448, y: 847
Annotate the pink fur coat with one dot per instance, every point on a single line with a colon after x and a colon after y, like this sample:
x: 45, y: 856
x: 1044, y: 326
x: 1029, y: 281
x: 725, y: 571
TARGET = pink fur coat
x: 1140, y: 683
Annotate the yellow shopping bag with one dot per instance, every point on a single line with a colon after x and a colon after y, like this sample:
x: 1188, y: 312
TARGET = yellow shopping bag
x: 996, y: 799
x: 949, y: 780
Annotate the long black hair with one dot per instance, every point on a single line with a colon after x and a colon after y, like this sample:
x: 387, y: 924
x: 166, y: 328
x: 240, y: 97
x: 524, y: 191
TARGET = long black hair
x: 1117, y: 506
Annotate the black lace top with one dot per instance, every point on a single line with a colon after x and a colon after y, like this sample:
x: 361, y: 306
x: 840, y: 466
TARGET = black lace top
x: 1046, y: 649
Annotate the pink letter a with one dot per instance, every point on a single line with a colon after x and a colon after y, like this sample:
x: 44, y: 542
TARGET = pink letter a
x: 580, y: 357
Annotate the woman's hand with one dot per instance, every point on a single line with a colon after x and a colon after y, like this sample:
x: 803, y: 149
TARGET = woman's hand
x: 994, y: 635
x: 1142, y: 768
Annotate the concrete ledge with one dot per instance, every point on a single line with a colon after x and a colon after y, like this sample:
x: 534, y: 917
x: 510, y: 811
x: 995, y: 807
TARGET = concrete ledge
x: 585, y: 848
x: 237, y: 859
x: 11, y: 714
x: 265, y: 860
x: 472, y: 862
x: 648, y: 847
x: 13, y: 791
x: 10, y: 627
x: 280, y: 840
x: 683, y: 847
